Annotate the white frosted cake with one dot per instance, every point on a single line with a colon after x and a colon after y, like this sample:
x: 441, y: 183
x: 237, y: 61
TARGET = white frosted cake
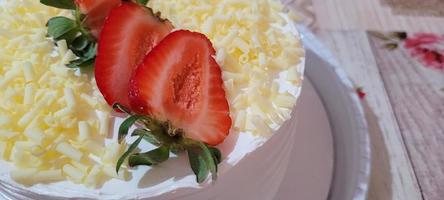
x: 58, y: 136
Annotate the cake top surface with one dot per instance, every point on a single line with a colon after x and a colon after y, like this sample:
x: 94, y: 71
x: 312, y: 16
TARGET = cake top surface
x: 257, y: 51
x: 257, y: 47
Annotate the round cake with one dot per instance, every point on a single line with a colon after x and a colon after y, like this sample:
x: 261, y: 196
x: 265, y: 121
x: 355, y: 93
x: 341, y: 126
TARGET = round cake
x: 60, y: 139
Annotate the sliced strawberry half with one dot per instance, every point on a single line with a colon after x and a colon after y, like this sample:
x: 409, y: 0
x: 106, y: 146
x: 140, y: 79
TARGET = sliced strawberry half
x: 96, y: 11
x: 129, y: 33
x: 180, y: 81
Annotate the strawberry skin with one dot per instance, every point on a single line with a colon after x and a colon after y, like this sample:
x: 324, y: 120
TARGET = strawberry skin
x: 180, y: 81
x: 129, y: 33
x: 96, y: 11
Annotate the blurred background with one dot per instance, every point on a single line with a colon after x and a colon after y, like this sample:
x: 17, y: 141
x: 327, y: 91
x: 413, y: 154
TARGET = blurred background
x: 393, y: 50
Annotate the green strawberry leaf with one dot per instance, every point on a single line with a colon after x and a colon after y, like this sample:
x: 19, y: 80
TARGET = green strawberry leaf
x: 78, y: 38
x: 88, y: 52
x: 149, y: 158
x: 203, y: 158
x: 147, y: 136
x: 81, y: 63
x: 120, y: 107
x: 69, y: 37
x: 62, y: 4
x: 217, y: 156
x: 209, y: 160
x: 142, y: 2
x: 59, y: 26
x: 91, y: 50
x: 80, y: 43
x: 132, y: 147
x: 198, y: 163
x: 125, y: 126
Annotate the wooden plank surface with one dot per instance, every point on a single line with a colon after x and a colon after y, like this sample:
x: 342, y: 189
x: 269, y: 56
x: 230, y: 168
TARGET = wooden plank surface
x: 417, y: 7
x: 370, y: 15
x: 393, y: 176
x: 419, y: 107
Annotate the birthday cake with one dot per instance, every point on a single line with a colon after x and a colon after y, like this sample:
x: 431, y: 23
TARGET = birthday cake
x: 146, y: 100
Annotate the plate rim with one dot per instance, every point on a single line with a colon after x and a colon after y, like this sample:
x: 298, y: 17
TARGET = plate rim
x: 317, y: 54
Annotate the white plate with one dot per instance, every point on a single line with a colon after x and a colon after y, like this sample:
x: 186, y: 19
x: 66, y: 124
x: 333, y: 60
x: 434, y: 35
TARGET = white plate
x: 348, y: 127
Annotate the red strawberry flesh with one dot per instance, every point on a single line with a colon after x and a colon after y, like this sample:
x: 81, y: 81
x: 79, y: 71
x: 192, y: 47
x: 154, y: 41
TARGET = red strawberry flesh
x: 180, y: 81
x: 96, y: 11
x: 129, y: 33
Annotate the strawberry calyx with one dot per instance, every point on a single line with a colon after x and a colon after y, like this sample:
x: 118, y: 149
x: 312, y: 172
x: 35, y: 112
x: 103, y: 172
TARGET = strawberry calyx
x: 203, y: 158
x: 77, y: 36
x: 81, y: 39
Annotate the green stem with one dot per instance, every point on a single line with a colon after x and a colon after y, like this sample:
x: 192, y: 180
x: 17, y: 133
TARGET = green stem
x: 80, y: 22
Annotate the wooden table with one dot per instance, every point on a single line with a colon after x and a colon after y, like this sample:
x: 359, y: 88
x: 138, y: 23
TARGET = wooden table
x: 403, y: 83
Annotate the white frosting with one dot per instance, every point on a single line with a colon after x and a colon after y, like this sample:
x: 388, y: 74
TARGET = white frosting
x: 174, y: 178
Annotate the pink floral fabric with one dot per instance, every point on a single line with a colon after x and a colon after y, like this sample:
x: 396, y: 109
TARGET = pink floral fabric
x: 428, y: 48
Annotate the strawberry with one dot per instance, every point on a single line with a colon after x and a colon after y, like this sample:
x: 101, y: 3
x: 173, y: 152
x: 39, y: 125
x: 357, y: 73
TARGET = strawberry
x: 96, y: 11
x: 129, y: 33
x: 179, y: 102
x: 179, y: 81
